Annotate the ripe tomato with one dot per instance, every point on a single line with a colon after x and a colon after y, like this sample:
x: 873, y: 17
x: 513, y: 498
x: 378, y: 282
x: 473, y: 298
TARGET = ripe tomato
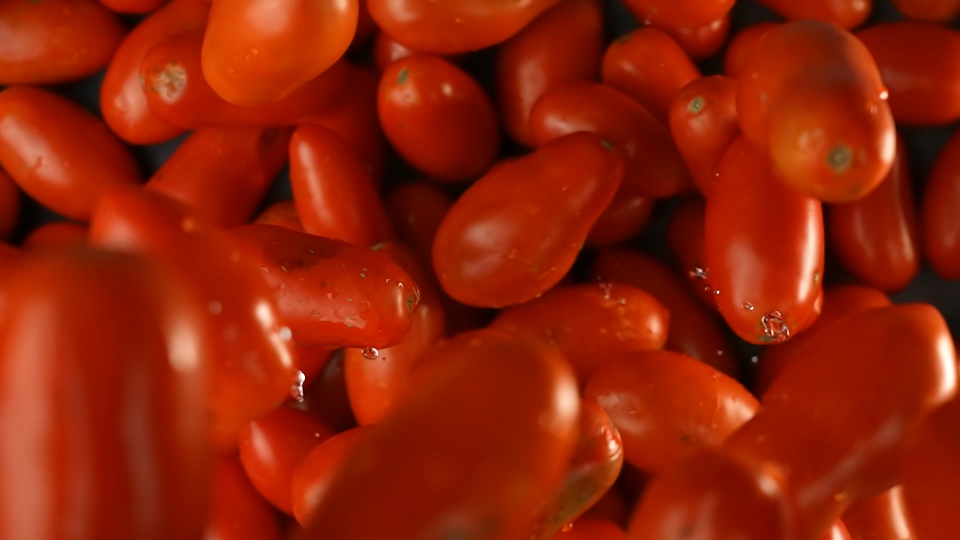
x: 592, y: 529
x: 237, y: 511
x: 932, y: 475
x: 416, y: 210
x: 327, y: 397
x: 515, y: 232
x: 611, y: 507
x: 9, y: 205
x: 941, y: 202
x: 133, y: 6
x: 625, y: 217
x: 846, y: 14
x: 685, y: 236
x: 679, y: 12
x: 282, y: 214
x: 742, y: 46
x: 700, y: 41
x: 438, y: 118
x: 882, y: 517
x: 929, y: 10
x: 55, y: 236
x: 311, y: 479
x: 387, y: 50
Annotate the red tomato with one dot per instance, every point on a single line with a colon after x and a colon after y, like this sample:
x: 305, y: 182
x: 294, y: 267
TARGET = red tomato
x: 438, y: 118
x: 113, y: 443
x: 258, y: 51
x: 563, y: 45
x: 483, y: 388
x: 327, y: 397
x: 311, y: 479
x: 237, y: 511
x: 55, y: 40
x: 333, y: 191
x: 56, y: 235
x: 701, y: 41
x: 685, y: 237
x: 133, y: 6
x: 416, y: 210
x: 387, y: 50
x: 223, y: 173
x: 282, y: 214
x: 650, y: 67
x: 654, y: 167
x: 42, y: 152
x: 929, y: 10
x: 679, y: 12
x: 764, y: 247
x: 876, y: 238
x: 742, y: 46
x: 593, y: 529
x: 515, y: 232
x: 941, y: 202
x: 625, y: 217
x: 310, y: 361
x: 9, y: 205
x: 611, y: 507
x: 838, y: 531
x: 843, y: 13
x: 883, y: 517
x: 932, y: 475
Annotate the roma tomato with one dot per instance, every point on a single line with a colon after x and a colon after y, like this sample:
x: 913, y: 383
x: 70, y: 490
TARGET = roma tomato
x: 764, y: 248
x: 327, y: 397
x: 41, y: 151
x: 846, y: 14
x: 311, y: 360
x: 625, y: 217
x: 592, y: 529
x: 515, y: 232
x: 564, y: 44
x: 932, y: 475
x: 679, y: 12
x: 929, y: 10
x: 416, y: 210
x: 258, y: 51
x: 941, y: 202
x: 883, y: 517
x: 55, y: 40
x: 333, y: 190
x: 701, y: 41
x: 313, y: 475
x: 9, y: 205
x: 742, y: 46
x: 685, y: 237
x: 653, y: 166
x: 56, y: 235
x: 282, y: 214
x: 237, y: 511
x: 408, y: 478
x: 438, y: 118
x: 133, y: 6
x: 223, y: 173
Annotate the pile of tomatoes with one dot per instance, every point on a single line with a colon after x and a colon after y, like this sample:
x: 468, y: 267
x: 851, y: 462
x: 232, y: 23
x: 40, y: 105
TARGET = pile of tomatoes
x: 444, y: 327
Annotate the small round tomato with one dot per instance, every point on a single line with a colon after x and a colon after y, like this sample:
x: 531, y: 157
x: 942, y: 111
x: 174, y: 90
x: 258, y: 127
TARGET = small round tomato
x: 701, y: 41
x: 313, y: 475
x: 281, y: 214
x: 883, y: 517
x: 941, y: 202
x: 931, y: 479
x: 625, y: 217
x: 237, y: 511
x: 742, y: 46
x: 133, y: 6
x: 438, y: 118
x: 685, y: 238
x: 846, y: 14
x: 929, y: 10
x: 9, y: 205
x: 416, y: 210
x: 679, y: 12
x: 56, y: 235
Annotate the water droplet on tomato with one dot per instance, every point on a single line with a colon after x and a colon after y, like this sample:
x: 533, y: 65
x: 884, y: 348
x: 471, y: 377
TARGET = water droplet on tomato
x: 297, y: 390
x: 370, y: 353
x: 748, y: 306
x: 566, y: 527
x: 698, y: 273
x: 774, y: 327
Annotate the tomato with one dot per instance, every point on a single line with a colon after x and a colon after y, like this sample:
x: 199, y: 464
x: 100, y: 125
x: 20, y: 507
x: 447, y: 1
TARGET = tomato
x: 694, y: 331
x: 876, y: 238
x: 258, y: 51
x: 436, y: 466
x: 438, y: 118
x: 282, y: 214
x: 625, y: 217
x: 56, y: 235
x: 366, y: 27
x: 515, y: 232
x: 333, y: 191
x: 387, y: 50
x: 679, y: 12
x: 701, y: 41
x: 882, y: 517
x: 563, y: 45
x: 133, y: 6
x: 685, y: 235
x: 941, y: 199
x: 838, y: 531
x: 929, y: 10
x: 327, y: 397
x: 55, y: 40
x: 703, y: 121
x: 310, y: 361
x: 237, y: 511
x: 742, y: 46
x: 846, y: 14
x: 455, y: 25
x: 931, y: 475
x: 313, y: 475
x: 416, y: 210
x: 611, y: 507
x: 665, y: 404
x: 119, y: 409
x: 9, y: 205
x: 654, y: 167
x: 40, y: 150
x: 593, y: 529
x: 223, y: 173
x: 650, y: 67
x: 811, y: 95
x: 764, y: 248
x: 590, y: 323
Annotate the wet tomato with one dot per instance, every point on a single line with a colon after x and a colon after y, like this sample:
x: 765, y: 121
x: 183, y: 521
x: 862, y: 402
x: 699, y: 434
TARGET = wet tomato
x: 679, y: 12
x: 843, y: 13
x: 883, y: 517
x: 327, y: 397
x: 237, y: 511
x: 313, y: 475
x: 685, y: 237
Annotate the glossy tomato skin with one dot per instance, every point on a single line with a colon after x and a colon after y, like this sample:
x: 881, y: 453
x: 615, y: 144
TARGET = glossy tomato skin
x: 237, y: 510
x: 454, y: 26
x: 56, y: 41
x: 764, y: 248
x: 653, y: 166
x: 40, y: 150
x: 562, y: 45
x: 9, y: 205
x: 846, y: 14
x: 929, y: 10
x: 438, y: 118
x: 515, y: 232
x: 313, y: 475
x: 387, y: 50
x: 334, y: 192
x: 133, y: 6
x: 282, y: 214
x: 685, y: 238
x: 876, y: 238
x: 121, y: 410
x: 701, y: 41
x: 416, y: 210
x: 625, y: 217
x: 223, y: 173
x: 882, y: 517
x: 703, y: 121
x: 941, y: 199
x: 918, y: 63
x: 742, y: 46
x: 327, y: 397
x: 245, y: 38
x: 931, y: 474
x: 679, y: 12
x: 587, y: 528
x: 485, y: 388
x: 56, y: 235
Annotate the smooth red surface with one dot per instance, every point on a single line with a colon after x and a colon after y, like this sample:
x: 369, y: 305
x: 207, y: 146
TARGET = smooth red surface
x: 56, y: 235
x: 237, y: 511
x: 931, y: 475
x: 311, y: 479
x: 882, y: 517
x: 941, y: 202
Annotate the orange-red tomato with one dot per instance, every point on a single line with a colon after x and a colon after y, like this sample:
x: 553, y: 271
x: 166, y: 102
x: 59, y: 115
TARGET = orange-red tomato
x: 9, y: 205
x: 742, y: 46
x: 327, y: 397
x: 625, y: 217
x: 311, y: 360
x: 843, y: 13
x: 438, y: 118
x: 679, y: 12
x: 883, y: 517
x: 929, y: 10
x: 685, y: 236
x: 56, y: 235
x: 258, y: 51
x: 282, y: 214
x: 932, y: 475
x: 564, y: 44
x: 587, y: 528
x: 515, y: 232
x: 237, y: 511
x: 416, y: 210
x: 313, y: 475
x: 701, y: 41
x: 58, y: 153
x: 387, y: 50
x: 133, y: 6
x: 941, y: 202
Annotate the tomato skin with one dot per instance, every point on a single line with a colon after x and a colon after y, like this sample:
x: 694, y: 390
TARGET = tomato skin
x: 133, y: 6
x: 438, y: 118
x: 562, y: 45
x: 327, y: 398
x: 610, y: 507
x: 55, y: 235
x: 703, y: 121
x: 282, y: 214
x: 941, y: 198
x: 223, y: 173
x: 122, y: 411
x: 484, y: 388
x: 846, y: 14
x: 237, y: 511
x: 685, y: 237
x: 9, y: 205
x: 882, y: 517
x: 702, y: 41
x: 653, y: 166
x: 533, y: 213
x: 742, y: 45
x: 55, y: 41
x: 587, y: 528
x: 931, y: 475
x: 679, y: 12
x: 416, y: 210
x: 245, y: 38
x: 650, y: 67
x: 876, y: 238
x: 41, y: 152
x: 929, y: 10
x: 333, y: 191
x: 311, y: 479
x: 625, y: 217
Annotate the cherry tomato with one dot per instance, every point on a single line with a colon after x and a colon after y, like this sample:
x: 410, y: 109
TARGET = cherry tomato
x: 883, y: 517
x: 41, y: 151
x: 625, y: 217
x: 650, y: 67
x: 333, y: 191
x: 223, y: 173
x: 929, y: 10
x: 679, y: 12
x: 416, y: 210
x: 113, y: 443
x: 409, y: 478
x: 876, y: 238
x: 685, y: 236
x: 282, y: 214
x: 846, y: 14
x: 55, y: 40
x: 654, y: 167
x: 311, y: 479
x: 701, y: 41
x: 327, y: 397
x: 703, y: 121
x: 133, y: 6
x: 611, y: 507
x: 764, y: 248
x: 438, y: 118
x: 515, y: 232
x: 941, y: 201
x: 237, y: 511
x: 742, y: 46
x: 454, y: 26
x: 56, y: 235
x: 593, y: 529
x: 932, y: 475
x: 9, y: 205
x: 257, y: 51
x: 563, y: 45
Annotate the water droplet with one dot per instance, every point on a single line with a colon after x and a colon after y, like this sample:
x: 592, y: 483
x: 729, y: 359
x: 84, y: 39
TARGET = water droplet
x: 698, y: 273
x: 754, y: 359
x: 215, y: 307
x: 607, y: 288
x: 816, y: 278
x: 566, y: 527
x: 774, y: 327
x: 362, y: 274
x: 884, y: 94
x: 719, y: 353
x: 285, y: 333
x: 748, y: 306
x: 297, y: 390
x: 370, y: 353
